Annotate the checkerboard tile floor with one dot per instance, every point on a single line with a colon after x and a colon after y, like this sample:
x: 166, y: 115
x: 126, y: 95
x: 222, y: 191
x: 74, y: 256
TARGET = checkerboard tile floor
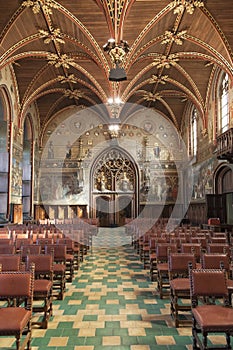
x: 110, y: 305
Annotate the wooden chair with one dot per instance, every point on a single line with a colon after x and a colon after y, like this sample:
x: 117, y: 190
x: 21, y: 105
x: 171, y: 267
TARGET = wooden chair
x: 162, y: 252
x: 43, y: 286
x: 178, y: 265
x: 16, y: 320
x: 7, y: 249
x: 210, y: 318
x: 29, y: 249
x: 58, y: 252
x: 217, y: 261
x: 69, y: 243
x: 10, y: 262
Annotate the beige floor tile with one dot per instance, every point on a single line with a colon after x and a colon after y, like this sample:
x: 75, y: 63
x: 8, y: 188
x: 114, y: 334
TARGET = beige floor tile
x: 38, y: 333
x: 217, y: 339
x: 112, y: 301
x: 84, y: 347
x: 111, y: 340
x: 139, y: 347
x: 165, y: 340
x: 137, y: 331
x: 87, y: 332
x: 185, y: 331
x: 58, y: 341
x: 7, y: 342
x: 74, y: 302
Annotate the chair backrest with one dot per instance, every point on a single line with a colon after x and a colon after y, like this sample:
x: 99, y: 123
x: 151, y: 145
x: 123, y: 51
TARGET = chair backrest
x: 164, y: 249
x: 179, y: 262
x: 10, y: 262
x: 218, y: 248
x: 29, y: 249
x: 208, y: 283
x: 7, y: 249
x: 21, y: 241
x: 17, y: 285
x: 215, y: 261
x: 68, y: 242
x: 58, y: 251
x: 6, y: 241
x: 194, y: 248
x: 43, y: 264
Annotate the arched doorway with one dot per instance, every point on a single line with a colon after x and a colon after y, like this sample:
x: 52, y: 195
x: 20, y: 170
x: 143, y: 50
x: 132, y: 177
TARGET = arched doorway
x: 114, y: 187
x: 219, y: 205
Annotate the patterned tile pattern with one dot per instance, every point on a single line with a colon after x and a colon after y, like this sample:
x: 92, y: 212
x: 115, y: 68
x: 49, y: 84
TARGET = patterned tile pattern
x: 111, y: 304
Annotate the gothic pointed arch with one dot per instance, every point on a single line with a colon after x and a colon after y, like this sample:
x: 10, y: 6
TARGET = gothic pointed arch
x: 114, y: 179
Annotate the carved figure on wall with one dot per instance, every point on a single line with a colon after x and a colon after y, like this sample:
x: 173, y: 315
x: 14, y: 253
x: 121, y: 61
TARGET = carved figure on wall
x: 125, y: 182
x: 50, y: 150
x: 101, y: 182
x: 68, y: 150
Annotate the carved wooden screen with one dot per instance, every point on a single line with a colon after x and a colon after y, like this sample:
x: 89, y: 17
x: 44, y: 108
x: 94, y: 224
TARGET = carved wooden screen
x: 114, y: 172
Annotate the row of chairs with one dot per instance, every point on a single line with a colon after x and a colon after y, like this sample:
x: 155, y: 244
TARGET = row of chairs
x: 162, y: 250
x: 176, y: 282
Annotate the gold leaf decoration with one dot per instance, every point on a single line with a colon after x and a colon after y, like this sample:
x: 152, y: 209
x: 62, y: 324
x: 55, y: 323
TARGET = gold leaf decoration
x: 77, y: 94
x: 156, y: 79
x: 69, y: 79
x: 189, y: 5
x: 166, y: 61
x: 60, y: 60
x: 149, y: 96
x: 38, y: 5
x: 170, y: 36
x: 54, y: 35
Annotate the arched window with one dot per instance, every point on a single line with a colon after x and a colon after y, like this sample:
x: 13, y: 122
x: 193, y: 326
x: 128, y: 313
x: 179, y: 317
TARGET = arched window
x: 193, y: 133
x: 223, y: 121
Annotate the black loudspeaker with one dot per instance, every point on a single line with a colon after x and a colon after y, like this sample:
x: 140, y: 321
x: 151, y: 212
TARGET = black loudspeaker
x: 117, y: 74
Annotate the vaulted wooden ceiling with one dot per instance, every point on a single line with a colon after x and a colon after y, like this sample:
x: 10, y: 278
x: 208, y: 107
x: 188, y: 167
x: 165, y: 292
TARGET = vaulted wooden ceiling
x: 56, y: 51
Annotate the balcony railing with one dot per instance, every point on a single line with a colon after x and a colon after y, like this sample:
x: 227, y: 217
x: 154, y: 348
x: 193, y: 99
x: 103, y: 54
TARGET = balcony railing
x: 225, y: 145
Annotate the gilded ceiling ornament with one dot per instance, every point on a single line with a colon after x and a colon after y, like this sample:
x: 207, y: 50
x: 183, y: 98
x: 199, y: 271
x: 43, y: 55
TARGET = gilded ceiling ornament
x: 170, y: 37
x: 166, y: 61
x: 60, y: 60
x: 77, y: 94
x: 149, y: 96
x: 70, y: 79
x: 38, y: 5
x: 54, y: 35
x: 156, y: 79
x: 188, y: 5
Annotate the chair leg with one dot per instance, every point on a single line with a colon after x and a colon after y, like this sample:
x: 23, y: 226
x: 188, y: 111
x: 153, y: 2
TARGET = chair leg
x: 228, y: 340
x: 194, y: 334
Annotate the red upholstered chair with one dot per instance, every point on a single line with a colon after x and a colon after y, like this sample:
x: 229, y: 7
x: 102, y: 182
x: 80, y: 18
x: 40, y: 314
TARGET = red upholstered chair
x: 10, y: 262
x: 16, y: 320
x: 178, y: 265
x: 29, y: 249
x: 217, y: 261
x: 43, y: 286
x: 7, y: 249
x: 162, y: 253
x: 59, y: 267
x: 70, y: 257
x: 210, y: 318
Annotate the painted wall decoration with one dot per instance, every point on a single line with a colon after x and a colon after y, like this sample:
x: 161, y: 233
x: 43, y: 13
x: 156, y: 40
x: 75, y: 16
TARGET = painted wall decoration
x: 203, y: 178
